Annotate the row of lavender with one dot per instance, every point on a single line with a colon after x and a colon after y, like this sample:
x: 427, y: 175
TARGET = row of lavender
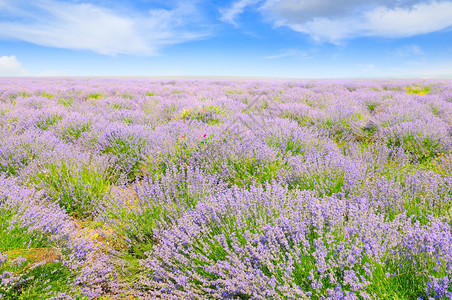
x: 220, y: 189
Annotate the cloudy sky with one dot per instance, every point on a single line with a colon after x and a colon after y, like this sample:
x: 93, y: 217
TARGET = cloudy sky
x: 268, y: 38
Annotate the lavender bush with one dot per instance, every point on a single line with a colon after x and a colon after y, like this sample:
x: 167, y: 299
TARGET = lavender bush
x: 224, y: 189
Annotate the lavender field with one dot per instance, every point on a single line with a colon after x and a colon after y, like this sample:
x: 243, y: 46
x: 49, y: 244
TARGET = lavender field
x: 225, y: 189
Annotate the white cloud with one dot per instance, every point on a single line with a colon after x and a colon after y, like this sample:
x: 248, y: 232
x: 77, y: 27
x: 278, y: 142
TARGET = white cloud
x: 380, y: 22
x: 401, y: 22
x: 408, y: 50
x: 297, y: 12
x: 229, y: 14
x: 10, y: 66
x: 335, y: 21
x: 75, y: 25
x: 288, y: 53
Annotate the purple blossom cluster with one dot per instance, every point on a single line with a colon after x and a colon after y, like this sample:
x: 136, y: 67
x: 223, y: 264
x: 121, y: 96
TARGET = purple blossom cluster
x: 226, y: 189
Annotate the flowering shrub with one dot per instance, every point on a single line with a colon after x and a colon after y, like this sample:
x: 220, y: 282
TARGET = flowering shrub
x: 223, y: 189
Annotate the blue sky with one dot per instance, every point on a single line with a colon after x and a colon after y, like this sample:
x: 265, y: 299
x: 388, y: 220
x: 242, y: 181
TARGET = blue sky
x: 253, y: 38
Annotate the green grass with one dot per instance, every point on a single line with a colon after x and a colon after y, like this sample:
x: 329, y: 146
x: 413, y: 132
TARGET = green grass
x: 418, y: 90
x: 288, y: 146
x: 436, y: 164
x: 420, y: 148
x: 371, y: 106
x: 243, y: 171
x: 73, y: 132
x: 38, y: 281
x: 323, y: 183
x: 234, y: 92
x: 13, y: 161
x: 127, y: 150
x: 95, y: 96
x: 48, y: 121
x: 167, y: 113
x: 401, y: 278
x: 207, y: 114
x: 65, y: 101
x: 127, y: 96
x: 118, y: 106
x: 22, y: 94
x: 45, y: 94
x: 156, y: 165
x: 248, y: 171
x: 76, y: 188
x: 150, y: 106
x: 4, y: 112
x: 302, y: 120
x: 135, y: 219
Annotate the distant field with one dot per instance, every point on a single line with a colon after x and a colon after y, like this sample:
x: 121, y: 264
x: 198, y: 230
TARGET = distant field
x: 225, y: 189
